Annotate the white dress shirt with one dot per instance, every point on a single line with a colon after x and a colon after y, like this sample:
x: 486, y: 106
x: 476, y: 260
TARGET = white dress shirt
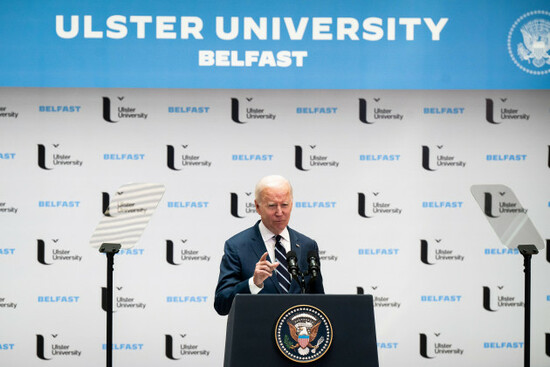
x: 269, y: 241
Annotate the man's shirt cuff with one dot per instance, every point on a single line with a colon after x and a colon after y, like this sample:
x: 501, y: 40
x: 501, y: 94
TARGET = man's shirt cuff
x: 254, y: 289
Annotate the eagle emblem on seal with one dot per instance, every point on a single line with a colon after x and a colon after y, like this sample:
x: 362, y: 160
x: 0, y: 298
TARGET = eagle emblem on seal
x: 303, y: 329
x: 536, y: 42
x: 303, y: 333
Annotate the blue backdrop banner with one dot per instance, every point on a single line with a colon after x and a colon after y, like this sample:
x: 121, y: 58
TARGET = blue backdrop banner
x: 286, y: 44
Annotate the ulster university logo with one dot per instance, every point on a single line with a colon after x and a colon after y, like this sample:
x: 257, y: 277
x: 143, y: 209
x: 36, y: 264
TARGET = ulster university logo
x: 181, y: 347
x: 384, y: 301
x: 49, y: 158
x: 490, y: 110
x: 58, y: 254
x: 235, y: 110
x: 42, y: 156
x: 305, y: 162
x: 40, y: 347
x: 252, y: 112
x: 493, y: 302
x: 529, y: 42
x: 41, y: 252
x: 121, y: 300
x: 442, y: 159
x: 431, y: 256
x: 430, y: 349
x: 377, y: 206
x: 48, y: 350
x: 182, y: 158
x: 170, y: 250
x: 379, y: 113
x: 105, y: 202
x: 107, y: 109
x: 502, y: 205
x: 299, y: 157
x: 363, y: 111
x: 488, y: 205
x: 303, y: 333
x: 123, y: 111
x: 505, y: 111
x: 244, y: 206
x: 180, y: 253
x: 361, y: 205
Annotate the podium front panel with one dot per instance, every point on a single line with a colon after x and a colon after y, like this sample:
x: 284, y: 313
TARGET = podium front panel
x: 250, y: 338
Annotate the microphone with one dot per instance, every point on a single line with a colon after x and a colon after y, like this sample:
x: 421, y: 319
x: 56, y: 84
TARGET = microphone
x: 292, y: 262
x: 313, y: 263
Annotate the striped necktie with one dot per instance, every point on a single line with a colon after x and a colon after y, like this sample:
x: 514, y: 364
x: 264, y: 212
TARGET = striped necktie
x: 282, y: 271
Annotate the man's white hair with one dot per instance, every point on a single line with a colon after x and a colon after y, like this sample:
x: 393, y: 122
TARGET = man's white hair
x: 271, y: 181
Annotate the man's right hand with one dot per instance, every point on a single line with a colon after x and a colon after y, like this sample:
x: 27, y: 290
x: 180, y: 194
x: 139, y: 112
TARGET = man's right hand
x: 264, y: 269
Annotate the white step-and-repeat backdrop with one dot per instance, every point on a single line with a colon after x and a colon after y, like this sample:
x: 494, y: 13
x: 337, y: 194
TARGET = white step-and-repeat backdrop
x: 382, y: 126
x: 381, y: 179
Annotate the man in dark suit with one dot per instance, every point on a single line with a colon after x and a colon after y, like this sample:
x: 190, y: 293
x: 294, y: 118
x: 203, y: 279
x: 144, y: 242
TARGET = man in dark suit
x: 249, y: 264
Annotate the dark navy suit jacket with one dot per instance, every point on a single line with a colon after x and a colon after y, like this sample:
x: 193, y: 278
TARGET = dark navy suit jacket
x: 243, y: 251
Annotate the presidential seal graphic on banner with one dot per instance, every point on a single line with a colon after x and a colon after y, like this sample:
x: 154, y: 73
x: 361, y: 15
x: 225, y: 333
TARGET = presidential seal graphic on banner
x: 529, y: 42
x: 303, y: 333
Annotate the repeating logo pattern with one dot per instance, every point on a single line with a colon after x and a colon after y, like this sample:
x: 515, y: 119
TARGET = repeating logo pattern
x: 386, y: 193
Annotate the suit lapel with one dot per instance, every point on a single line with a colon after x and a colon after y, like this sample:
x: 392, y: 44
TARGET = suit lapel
x: 258, y: 245
x: 297, y: 248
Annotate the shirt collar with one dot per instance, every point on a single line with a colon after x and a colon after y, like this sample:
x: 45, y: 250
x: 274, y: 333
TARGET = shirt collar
x: 267, y: 234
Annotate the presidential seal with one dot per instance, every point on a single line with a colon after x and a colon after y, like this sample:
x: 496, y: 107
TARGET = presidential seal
x: 303, y: 333
x: 529, y: 42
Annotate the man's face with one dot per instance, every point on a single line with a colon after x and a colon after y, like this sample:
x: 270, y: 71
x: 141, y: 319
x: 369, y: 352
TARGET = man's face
x: 274, y: 207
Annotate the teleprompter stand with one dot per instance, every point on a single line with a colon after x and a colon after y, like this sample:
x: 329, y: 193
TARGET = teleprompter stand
x: 527, y: 251
x: 109, y: 249
x: 121, y: 227
x: 515, y: 230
